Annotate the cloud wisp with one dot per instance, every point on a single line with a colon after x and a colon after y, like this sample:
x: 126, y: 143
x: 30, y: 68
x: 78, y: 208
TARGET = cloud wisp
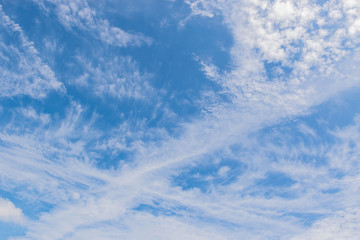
x: 22, y: 70
x: 80, y: 15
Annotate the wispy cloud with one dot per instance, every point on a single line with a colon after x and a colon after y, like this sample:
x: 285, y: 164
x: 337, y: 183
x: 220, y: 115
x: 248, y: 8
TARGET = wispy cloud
x: 118, y: 77
x: 80, y: 15
x: 249, y: 166
x: 343, y: 225
x: 111, y: 200
x: 22, y: 70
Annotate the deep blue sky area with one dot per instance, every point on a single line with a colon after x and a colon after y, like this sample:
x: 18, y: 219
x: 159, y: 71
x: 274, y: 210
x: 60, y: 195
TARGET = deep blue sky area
x: 179, y: 119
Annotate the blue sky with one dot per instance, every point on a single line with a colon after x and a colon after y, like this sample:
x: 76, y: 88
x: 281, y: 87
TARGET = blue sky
x: 179, y: 119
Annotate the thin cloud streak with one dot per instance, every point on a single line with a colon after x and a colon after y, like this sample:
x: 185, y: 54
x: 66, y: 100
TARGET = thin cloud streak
x: 22, y: 72
x: 80, y: 15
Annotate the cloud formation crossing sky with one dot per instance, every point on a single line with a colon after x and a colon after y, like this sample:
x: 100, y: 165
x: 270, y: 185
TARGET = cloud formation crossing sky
x: 179, y: 119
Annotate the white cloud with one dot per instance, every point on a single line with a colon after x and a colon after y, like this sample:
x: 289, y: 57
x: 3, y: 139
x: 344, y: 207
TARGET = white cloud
x: 22, y: 71
x: 10, y: 213
x: 118, y: 77
x: 309, y: 49
x: 106, y: 200
x: 223, y: 170
x: 135, y: 225
x: 79, y: 14
x: 106, y: 195
x: 342, y: 225
x: 44, y: 155
x: 54, y: 162
x: 284, y: 31
x: 198, y: 8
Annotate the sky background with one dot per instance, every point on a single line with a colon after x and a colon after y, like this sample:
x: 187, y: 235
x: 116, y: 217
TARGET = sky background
x: 179, y: 119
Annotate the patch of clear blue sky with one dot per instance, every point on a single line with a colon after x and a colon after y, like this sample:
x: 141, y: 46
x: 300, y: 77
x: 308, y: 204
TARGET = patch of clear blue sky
x: 206, y: 173
x: 8, y: 230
